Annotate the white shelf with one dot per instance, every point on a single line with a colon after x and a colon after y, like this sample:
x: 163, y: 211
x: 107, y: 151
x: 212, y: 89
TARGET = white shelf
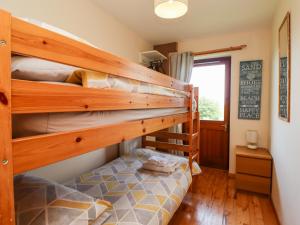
x: 149, y: 56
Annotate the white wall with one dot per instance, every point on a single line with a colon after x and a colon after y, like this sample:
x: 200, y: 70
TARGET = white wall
x: 285, y: 137
x: 85, y: 19
x: 259, y: 47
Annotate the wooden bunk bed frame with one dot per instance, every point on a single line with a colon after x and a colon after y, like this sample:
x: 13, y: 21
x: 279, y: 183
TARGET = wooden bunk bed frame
x: 21, y: 97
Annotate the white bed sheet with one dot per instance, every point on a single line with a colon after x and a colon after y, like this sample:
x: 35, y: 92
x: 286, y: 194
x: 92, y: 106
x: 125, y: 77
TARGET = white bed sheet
x: 34, y: 124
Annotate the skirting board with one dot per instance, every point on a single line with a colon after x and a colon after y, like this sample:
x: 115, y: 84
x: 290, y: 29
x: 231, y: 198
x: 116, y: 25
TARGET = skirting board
x: 277, y: 218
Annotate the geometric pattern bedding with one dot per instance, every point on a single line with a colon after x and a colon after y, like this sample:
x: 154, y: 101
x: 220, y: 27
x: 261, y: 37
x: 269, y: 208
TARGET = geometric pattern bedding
x: 138, y: 197
x: 42, y: 202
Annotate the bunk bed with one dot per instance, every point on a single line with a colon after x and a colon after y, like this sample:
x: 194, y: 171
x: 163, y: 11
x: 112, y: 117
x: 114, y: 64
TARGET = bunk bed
x: 21, y: 97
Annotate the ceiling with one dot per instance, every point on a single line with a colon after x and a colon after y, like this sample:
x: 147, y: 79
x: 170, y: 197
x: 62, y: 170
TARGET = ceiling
x: 204, y: 17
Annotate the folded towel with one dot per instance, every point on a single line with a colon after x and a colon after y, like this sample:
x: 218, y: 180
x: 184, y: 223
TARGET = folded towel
x: 161, y: 164
x: 163, y: 169
x: 160, y: 161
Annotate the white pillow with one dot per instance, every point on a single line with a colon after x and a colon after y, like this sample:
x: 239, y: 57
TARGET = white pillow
x: 28, y: 68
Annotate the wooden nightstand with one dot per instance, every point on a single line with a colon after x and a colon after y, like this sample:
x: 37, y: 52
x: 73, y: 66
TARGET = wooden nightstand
x: 253, y: 170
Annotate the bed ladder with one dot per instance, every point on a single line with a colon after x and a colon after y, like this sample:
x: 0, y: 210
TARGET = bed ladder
x: 167, y: 141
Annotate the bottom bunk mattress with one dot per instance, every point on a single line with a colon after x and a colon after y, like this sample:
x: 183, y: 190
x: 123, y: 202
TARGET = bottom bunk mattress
x: 35, y: 124
x: 139, y: 197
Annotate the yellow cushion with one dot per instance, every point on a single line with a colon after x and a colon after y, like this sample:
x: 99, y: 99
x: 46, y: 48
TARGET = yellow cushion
x: 89, y: 79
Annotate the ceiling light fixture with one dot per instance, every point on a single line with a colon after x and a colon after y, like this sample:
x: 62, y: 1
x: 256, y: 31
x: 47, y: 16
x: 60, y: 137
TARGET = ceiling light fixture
x: 170, y: 9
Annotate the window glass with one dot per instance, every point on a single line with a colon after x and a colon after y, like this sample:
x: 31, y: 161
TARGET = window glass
x: 211, y: 82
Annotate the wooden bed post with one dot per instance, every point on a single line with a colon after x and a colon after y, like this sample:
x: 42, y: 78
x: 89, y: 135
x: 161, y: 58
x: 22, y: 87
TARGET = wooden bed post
x: 7, y: 212
x: 197, y: 120
x: 190, y: 125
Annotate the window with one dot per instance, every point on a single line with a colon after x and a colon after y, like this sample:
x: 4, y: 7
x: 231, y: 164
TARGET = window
x: 211, y: 82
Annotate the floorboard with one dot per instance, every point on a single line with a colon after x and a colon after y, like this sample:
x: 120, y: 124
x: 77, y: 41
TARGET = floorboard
x: 213, y: 200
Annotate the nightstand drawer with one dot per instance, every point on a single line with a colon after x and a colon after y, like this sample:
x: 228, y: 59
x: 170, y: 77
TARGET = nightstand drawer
x: 253, y: 166
x: 253, y: 183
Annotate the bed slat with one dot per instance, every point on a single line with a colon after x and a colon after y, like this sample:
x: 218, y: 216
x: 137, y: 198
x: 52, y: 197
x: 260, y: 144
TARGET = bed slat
x: 34, y: 97
x: 31, y: 40
x: 169, y: 135
x: 167, y: 146
x: 33, y: 152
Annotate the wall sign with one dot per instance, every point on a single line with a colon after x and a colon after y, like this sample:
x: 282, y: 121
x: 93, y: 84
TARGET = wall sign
x: 283, y: 89
x: 250, y: 90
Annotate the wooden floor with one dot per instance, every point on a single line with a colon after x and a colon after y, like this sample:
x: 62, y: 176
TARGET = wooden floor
x: 214, y: 201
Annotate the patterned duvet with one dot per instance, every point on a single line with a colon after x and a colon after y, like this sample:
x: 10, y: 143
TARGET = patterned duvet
x: 138, y: 196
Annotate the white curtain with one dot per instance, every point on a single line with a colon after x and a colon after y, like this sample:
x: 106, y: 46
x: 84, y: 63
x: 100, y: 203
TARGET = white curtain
x: 181, y: 66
